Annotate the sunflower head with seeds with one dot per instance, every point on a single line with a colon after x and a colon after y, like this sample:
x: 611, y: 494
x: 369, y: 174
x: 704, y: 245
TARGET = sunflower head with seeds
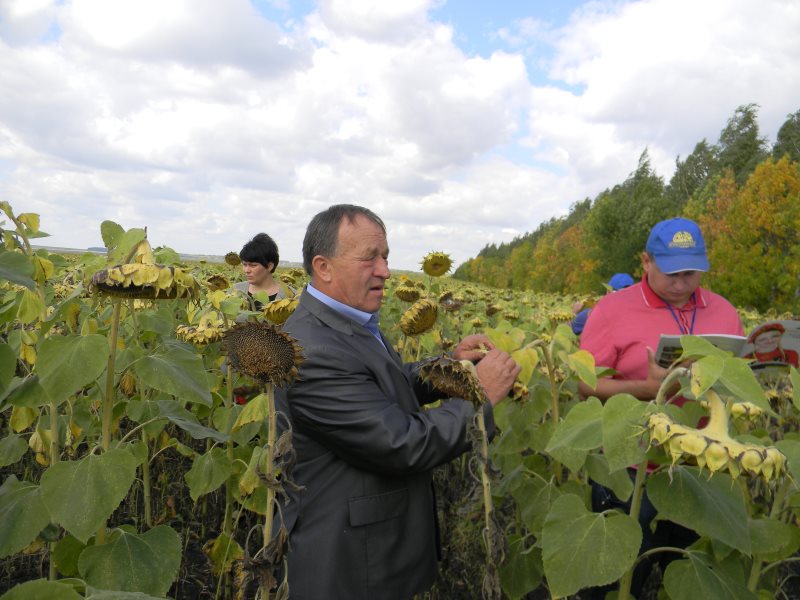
x: 455, y: 378
x: 419, y: 318
x: 262, y: 352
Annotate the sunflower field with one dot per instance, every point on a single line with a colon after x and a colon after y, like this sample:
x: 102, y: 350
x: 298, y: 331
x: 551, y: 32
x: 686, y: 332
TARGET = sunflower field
x: 140, y: 460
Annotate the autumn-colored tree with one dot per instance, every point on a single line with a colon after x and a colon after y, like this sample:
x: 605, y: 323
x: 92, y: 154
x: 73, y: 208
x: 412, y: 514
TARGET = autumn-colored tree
x: 754, y: 238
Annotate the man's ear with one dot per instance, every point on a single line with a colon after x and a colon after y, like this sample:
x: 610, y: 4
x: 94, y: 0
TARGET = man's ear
x: 645, y: 261
x: 322, y: 268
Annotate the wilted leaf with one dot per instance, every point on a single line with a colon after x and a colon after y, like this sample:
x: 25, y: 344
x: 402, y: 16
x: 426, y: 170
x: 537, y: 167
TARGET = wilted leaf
x: 582, y: 362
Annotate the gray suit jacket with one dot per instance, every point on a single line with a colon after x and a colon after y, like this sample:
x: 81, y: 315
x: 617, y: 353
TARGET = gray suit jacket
x: 365, y: 525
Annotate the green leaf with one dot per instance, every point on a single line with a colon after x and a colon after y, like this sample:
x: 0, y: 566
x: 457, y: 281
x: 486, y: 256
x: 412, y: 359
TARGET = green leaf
x: 699, y: 577
x: 623, y: 418
x: 521, y: 572
x: 705, y: 373
x: 582, y: 362
x: 30, y: 307
x: 791, y: 448
x: 22, y: 515
x: 27, y: 393
x: 619, y: 482
x: 17, y: 268
x: 256, y: 410
x: 184, y: 419
x: 66, y: 553
x: 41, y: 589
x: 738, y: 377
x: 130, y: 562
x: 59, y: 357
x: 697, y: 347
x: 527, y: 359
x: 579, y: 432
x: 126, y: 243
x: 82, y: 494
x: 712, y: 507
x: 12, y: 449
x: 8, y: 365
x: 534, y: 497
x: 208, y: 472
x: 794, y: 377
x: 112, y: 233
x: 773, y: 540
x: 95, y: 594
x: 176, y: 371
x: 583, y: 549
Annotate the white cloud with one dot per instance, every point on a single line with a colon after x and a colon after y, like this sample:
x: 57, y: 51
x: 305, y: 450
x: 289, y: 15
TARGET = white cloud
x: 207, y: 123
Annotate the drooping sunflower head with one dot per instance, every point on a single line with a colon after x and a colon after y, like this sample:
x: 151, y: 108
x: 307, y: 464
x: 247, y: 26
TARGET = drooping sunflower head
x: 407, y: 293
x: 263, y: 352
x: 146, y: 281
x: 218, y: 282
x: 209, y: 329
x: 419, y: 318
x: 455, y: 378
x: 233, y: 259
x: 280, y: 310
x: 436, y: 264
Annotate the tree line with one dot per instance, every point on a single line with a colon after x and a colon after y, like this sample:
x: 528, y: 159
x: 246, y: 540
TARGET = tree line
x: 744, y: 193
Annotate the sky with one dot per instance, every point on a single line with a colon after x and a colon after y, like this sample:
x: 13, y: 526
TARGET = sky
x: 461, y: 123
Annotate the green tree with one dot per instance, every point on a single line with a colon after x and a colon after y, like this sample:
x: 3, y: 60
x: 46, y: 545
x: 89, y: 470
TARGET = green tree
x: 691, y: 175
x: 621, y: 219
x: 741, y: 147
x: 788, y: 140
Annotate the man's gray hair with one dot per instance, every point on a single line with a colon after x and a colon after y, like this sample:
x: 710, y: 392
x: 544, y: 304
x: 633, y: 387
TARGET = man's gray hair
x: 322, y: 233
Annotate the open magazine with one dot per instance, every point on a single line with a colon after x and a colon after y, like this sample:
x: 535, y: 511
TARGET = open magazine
x: 771, y: 344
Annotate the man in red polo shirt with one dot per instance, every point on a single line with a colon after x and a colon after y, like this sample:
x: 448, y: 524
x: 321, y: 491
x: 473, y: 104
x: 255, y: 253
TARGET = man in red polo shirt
x: 624, y: 327
x: 621, y: 333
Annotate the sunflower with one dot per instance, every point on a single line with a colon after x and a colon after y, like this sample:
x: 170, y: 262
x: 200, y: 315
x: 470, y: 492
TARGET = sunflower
x: 233, y: 259
x: 263, y: 352
x: 218, y: 282
x: 144, y: 279
x: 436, y: 264
x: 407, y: 293
x: 419, y: 318
x: 280, y: 310
x: 454, y: 378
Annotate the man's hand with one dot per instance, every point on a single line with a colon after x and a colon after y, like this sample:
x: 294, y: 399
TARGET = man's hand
x: 497, y: 372
x: 470, y: 348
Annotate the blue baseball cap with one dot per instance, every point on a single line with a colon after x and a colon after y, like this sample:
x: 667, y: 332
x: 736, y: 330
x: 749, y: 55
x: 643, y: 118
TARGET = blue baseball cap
x: 579, y: 322
x: 677, y: 245
x: 619, y: 281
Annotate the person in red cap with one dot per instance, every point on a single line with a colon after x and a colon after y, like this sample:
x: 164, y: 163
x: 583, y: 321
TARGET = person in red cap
x: 621, y: 332
x: 766, y: 342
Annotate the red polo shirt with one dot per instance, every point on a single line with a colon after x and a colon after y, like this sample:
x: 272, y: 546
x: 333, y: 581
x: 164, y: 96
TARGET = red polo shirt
x: 623, y: 324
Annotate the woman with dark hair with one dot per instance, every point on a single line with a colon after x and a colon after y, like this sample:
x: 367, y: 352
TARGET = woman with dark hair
x: 259, y: 260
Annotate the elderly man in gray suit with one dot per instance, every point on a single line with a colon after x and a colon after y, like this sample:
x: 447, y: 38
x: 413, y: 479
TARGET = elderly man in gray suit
x: 364, y: 526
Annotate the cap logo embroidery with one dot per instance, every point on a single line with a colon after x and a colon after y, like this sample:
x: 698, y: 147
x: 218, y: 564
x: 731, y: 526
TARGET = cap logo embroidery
x: 682, y: 239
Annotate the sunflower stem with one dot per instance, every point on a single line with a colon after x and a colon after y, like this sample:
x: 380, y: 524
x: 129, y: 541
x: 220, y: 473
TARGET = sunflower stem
x: 271, y: 436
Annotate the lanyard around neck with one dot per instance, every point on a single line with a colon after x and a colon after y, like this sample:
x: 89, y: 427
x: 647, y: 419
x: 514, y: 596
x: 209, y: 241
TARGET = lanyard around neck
x: 681, y: 321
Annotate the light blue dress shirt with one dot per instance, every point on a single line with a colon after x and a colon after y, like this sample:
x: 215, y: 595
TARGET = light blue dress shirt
x: 365, y: 319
